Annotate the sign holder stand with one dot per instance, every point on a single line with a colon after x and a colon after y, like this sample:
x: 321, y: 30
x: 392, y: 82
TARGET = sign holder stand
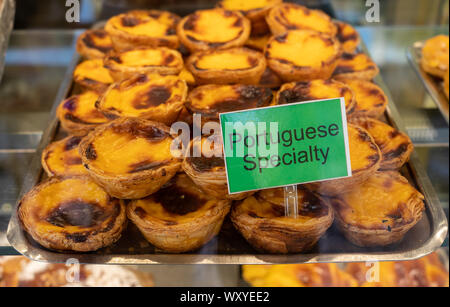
x: 291, y: 201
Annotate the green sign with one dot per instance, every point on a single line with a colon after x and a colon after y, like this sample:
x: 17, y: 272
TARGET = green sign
x: 286, y: 145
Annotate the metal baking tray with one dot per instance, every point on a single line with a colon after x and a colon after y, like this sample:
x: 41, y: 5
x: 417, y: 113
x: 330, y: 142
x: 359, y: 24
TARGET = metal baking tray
x: 229, y: 247
x: 433, y: 85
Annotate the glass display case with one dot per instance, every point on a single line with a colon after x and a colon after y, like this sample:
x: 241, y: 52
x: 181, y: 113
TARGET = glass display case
x: 39, y: 64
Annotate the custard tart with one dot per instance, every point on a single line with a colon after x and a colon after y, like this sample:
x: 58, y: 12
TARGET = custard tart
x: 316, y: 90
x: 395, y: 146
x: 365, y: 157
x: 180, y: 217
x: 348, y: 37
x: 356, y: 66
x: 303, y: 55
x: 259, y: 42
x: 435, y: 56
x: 380, y: 211
x: 255, y: 10
x: 262, y: 222
x: 78, y: 114
x: 211, y: 100
x: 153, y: 97
x: 213, y: 29
x: 92, y: 75
x: 163, y: 61
x: 130, y: 158
x: 94, y: 44
x: 143, y: 28
x: 231, y: 66
x: 288, y: 16
x: 371, y: 101
x: 62, y: 158
x: 205, y: 165
x: 72, y: 214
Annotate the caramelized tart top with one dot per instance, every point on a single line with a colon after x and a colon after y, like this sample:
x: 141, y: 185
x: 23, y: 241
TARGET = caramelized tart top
x: 179, y: 203
x: 146, y: 58
x: 153, y: 23
x: 141, y: 94
x: 128, y: 146
x: 61, y: 158
x: 348, y: 36
x: 93, y: 71
x: 97, y: 40
x: 229, y: 59
x: 247, y: 6
x: 315, y: 90
x: 290, y: 16
x: 206, y: 154
x: 303, y: 49
x: 384, y: 202
x: 368, y: 95
x: 75, y: 204
x: 214, y: 28
x: 358, y: 62
x: 364, y: 152
x: 210, y: 100
x: 81, y: 109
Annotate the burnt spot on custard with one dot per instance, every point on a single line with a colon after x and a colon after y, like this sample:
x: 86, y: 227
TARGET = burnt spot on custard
x: 191, y: 22
x: 343, y: 69
x: 169, y: 59
x: 145, y: 166
x: 155, y: 96
x: 71, y: 104
x: 73, y: 161
x: 75, y: 119
x: 394, y: 133
x: 300, y: 92
x: 202, y: 164
x: 399, y: 151
x: 72, y: 143
x: 89, y: 41
x: 90, y: 152
x: 77, y: 213
x: 247, y: 97
x: 343, y: 38
x: 178, y: 201
x: 138, y: 130
x: 130, y: 21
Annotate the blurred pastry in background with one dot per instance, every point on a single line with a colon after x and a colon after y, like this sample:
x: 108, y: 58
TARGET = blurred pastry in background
x: 356, y: 66
x: 435, y: 56
x: 94, y: 44
x: 22, y: 272
x: 348, y: 36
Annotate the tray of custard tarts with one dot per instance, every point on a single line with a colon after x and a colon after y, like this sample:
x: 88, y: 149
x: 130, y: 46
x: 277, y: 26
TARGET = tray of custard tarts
x: 112, y: 183
x: 430, y: 60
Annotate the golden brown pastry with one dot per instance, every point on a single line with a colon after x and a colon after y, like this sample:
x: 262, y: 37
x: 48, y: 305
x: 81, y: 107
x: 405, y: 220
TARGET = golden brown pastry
x: 356, y: 66
x: 153, y: 97
x: 143, y: 28
x: 205, y: 165
x: 213, y: 29
x: 210, y: 100
x: 365, y: 157
x: 380, y: 211
x: 446, y: 84
x: 78, y: 114
x: 395, y: 146
x: 125, y: 65
x: 297, y: 275
x: 425, y: 272
x: 187, y: 76
x: 371, y: 101
x: 18, y: 271
x: 61, y: 158
x: 92, y: 75
x: 262, y: 222
x: 94, y: 44
x: 303, y: 55
x: 435, y: 56
x: 180, y: 217
x: 255, y: 10
x: 130, y: 158
x: 231, y: 66
x: 72, y: 214
x: 348, y: 37
x: 288, y: 16
x: 316, y: 90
